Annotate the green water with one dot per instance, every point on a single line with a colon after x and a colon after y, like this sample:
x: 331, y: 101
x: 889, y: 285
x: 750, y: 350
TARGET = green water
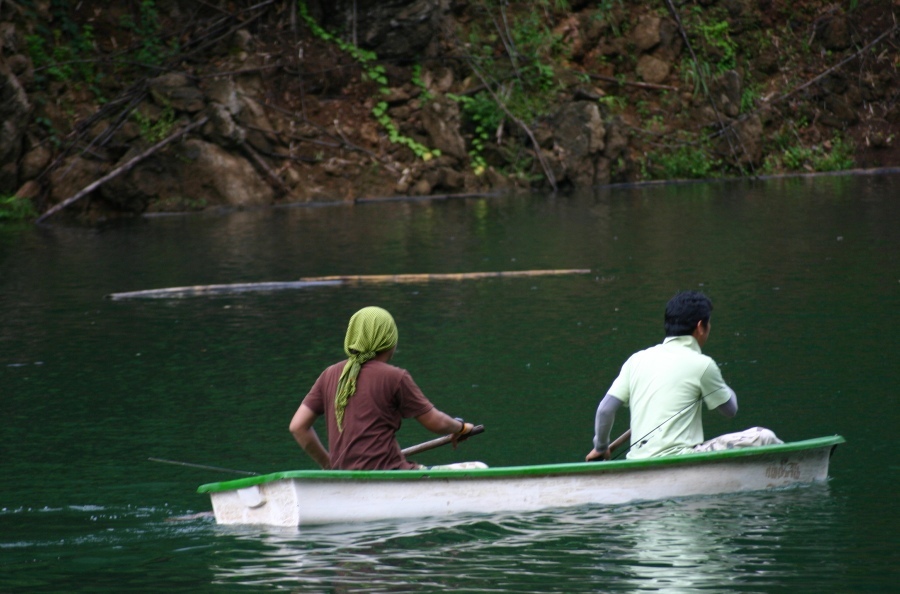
x: 804, y: 275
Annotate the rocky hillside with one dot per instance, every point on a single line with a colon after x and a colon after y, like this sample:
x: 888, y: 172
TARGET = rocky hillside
x: 122, y: 108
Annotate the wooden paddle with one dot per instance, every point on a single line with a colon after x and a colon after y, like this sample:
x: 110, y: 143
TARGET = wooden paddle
x: 435, y: 443
x: 618, y: 441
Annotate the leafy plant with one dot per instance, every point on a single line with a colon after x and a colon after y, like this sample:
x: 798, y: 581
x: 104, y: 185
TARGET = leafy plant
x: 695, y: 73
x: 155, y: 131
x: 613, y: 102
x: 512, y: 54
x: 52, y: 133
x: 394, y: 135
x: 62, y: 58
x: 482, y: 112
x: 377, y: 74
x: 688, y: 161
x: 13, y: 208
x: 148, y: 29
x: 833, y: 155
x: 716, y: 35
x: 749, y: 97
x: 604, y: 10
x: 425, y: 96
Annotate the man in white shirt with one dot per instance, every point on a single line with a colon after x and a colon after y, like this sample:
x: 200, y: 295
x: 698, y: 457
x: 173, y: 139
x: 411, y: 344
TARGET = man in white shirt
x: 665, y: 386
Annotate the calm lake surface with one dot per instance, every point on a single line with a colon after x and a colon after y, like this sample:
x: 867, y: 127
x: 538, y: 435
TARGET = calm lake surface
x: 804, y: 274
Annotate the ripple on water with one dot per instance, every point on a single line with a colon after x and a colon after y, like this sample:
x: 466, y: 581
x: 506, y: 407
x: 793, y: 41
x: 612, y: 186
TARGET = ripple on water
x: 750, y: 542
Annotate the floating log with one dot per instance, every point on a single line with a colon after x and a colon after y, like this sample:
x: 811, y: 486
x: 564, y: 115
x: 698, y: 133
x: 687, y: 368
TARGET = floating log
x: 457, y: 276
x: 201, y: 290
x: 321, y: 281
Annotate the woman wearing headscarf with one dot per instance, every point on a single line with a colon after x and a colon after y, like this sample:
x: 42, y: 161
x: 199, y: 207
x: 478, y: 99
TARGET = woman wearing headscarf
x: 364, y: 400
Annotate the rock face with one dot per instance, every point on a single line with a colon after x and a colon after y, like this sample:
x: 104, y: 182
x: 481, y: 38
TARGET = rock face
x: 14, y: 111
x: 290, y: 116
x: 209, y: 170
x: 390, y: 28
x: 441, y: 121
x: 579, y: 139
x: 176, y: 90
x: 195, y: 175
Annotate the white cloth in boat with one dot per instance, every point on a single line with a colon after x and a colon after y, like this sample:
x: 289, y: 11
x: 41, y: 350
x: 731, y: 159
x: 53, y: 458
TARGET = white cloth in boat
x: 455, y: 466
x: 754, y: 436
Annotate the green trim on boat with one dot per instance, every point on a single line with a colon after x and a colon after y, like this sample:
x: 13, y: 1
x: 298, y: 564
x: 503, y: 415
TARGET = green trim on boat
x: 522, y: 471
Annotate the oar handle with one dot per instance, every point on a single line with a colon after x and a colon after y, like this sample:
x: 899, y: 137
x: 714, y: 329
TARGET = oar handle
x: 436, y: 443
x: 615, y: 444
x: 620, y: 440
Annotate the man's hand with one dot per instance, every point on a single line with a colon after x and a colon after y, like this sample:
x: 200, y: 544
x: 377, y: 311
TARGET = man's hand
x: 466, y: 429
x: 598, y: 456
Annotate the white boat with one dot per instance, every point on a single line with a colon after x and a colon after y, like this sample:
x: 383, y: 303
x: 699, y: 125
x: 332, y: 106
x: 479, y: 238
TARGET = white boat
x: 309, y: 497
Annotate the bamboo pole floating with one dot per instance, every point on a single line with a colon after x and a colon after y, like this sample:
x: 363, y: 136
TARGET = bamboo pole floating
x: 322, y: 281
x: 458, y: 276
x: 202, y: 290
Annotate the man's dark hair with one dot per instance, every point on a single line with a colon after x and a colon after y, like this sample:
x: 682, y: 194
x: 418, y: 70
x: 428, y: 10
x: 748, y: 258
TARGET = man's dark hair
x: 684, y: 310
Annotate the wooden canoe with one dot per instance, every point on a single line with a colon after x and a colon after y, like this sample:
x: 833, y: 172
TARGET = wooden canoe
x: 309, y: 497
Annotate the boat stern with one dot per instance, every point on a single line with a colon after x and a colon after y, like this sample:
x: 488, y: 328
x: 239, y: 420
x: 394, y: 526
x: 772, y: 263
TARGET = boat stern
x: 275, y: 504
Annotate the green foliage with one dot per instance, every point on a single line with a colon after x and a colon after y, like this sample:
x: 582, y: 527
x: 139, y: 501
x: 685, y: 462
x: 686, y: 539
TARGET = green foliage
x: 148, y: 29
x: 613, y: 102
x: 425, y: 96
x: 64, y: 58
x: 716, y: 35
x: 156, y: 130
x: 687, y: 161
x: 716, y: 51
x: 642, y: 109
x: 529, y: 82
x: 365, y: 58
x: 513, y: 54
x: 749, y: 97
x: 377, y: 74
x: 13, y: 208
x: 604, y: 10
x: 486, y: 116
x: 382, y: 117
x: 52, y: 133
x: 66, y: 52
x: 833, y: 155
x: 695, y: 74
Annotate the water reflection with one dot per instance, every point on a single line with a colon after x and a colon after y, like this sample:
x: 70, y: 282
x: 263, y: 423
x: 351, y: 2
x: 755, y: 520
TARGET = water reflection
x: 741, y: 543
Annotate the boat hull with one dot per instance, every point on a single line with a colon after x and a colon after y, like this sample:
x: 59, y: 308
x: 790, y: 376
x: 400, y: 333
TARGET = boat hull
x: 321, y: 497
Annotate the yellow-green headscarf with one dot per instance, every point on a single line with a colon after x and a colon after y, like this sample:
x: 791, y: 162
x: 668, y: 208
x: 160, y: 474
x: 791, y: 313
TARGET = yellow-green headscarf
x: 370, y: 331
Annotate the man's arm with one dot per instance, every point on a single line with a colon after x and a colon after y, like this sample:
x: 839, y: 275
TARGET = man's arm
x: 302, y: 429
x: 729, y: 408
x: 603, y: 422
x: 442, y: 423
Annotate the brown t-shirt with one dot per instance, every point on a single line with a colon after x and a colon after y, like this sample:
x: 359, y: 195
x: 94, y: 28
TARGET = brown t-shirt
x: 385, y: 395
